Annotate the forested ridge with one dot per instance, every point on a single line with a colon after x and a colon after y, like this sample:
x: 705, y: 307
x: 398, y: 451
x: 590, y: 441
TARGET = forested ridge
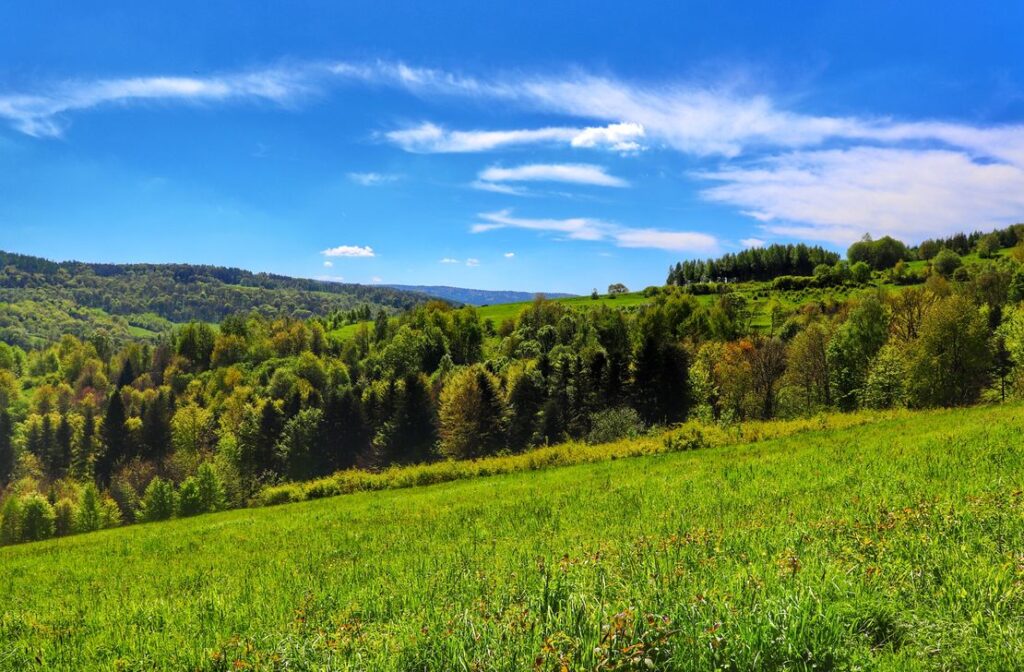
x: 42, y: 300
x: 97, y: 433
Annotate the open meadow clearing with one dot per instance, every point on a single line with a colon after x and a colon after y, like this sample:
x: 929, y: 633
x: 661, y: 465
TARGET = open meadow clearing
x: 893, y: 545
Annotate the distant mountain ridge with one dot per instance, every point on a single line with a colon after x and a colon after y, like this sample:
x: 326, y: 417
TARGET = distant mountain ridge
x: 476, y: 297
x: 40, y: 300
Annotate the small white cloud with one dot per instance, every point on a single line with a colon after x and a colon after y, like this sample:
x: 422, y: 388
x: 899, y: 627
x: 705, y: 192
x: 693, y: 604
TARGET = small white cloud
x: 752, y: 242
x: 676, y: 241
x: 509, y: 255
x: 575, y: 173
x: 372, y: 179
x: 618, y: 137
x: 376, y: 280
x: 349, y: 251
x: 449, y: 260
x: 330, y: 278
x: 328, y: 264
x: 506, y: 189
x: 472, y: 262
x: 429, y: 138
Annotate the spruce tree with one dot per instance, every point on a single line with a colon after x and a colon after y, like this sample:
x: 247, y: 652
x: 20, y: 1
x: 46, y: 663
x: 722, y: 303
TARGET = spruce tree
x: 115, y: 439
x: 7, y: 456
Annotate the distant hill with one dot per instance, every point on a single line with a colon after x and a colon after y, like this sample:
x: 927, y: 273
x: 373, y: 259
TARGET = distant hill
x: 40, y: 300
x: 476, y: 297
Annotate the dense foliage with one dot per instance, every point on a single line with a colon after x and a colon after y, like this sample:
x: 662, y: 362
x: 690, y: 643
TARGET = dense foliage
x: 41, y: 300
x: 756, y: 263
x: 108, y: 433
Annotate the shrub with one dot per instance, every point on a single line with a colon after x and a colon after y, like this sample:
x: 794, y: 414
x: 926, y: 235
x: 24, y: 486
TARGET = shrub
x: 65, y: 513
x: 110, y: 513
x: 946, y: 262
x: 190, y: 501
x: 211, y: 489
x: 158, y: 501
x: 614, y: 424
x: 90, y: 510
x: 690, y: 438
x: 10, y: 521
x: 37, y: 518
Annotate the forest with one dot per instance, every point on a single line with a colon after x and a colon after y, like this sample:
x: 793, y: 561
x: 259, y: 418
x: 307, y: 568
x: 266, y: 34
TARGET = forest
x: 97, y: 433
x: 42, y: 300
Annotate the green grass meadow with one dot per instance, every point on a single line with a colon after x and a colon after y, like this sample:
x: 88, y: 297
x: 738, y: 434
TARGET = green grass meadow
x: 896, y: 545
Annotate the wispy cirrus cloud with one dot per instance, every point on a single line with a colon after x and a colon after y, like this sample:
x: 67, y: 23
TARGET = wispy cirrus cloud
x: 372, y: 179
x: 790, y: 169
x: 43, y: 113
x: 574, y: 173
x: 591, y: 229
x: 349, y: 251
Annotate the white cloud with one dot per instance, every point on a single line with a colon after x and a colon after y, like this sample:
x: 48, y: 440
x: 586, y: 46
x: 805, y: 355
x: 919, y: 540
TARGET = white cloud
x: 428, y: 138
x: 328, y: 264
x: 678, y: 241
x: 506, y: 189
x: 618, y: 137
x: 376, y: 280
x: 330, y: 278
x: 349, y: 251
x: 509, y: 255
x: 449, y: 260
x: 472, y: 262
x: 752, y: 242
x: 372, y: 179
x: 583, y: 228
x: 575, y: 173
x: 42, y: 114
x: 839, y: 195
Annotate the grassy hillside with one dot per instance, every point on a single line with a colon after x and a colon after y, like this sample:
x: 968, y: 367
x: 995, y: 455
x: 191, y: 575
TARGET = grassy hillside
x: 894, y: 545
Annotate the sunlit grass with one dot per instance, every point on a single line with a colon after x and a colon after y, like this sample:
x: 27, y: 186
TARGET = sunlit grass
x: 892, y: 544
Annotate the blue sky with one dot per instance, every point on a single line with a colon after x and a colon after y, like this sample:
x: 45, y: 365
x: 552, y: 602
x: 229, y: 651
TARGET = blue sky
x: 501, y: 146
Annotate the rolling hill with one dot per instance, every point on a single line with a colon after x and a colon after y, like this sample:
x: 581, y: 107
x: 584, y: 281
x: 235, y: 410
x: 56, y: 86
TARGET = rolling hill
x: 41, y: 300
x: 813, y: 551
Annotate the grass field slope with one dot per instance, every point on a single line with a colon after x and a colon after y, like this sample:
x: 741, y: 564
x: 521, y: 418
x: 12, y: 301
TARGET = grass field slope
x: 894, y: 545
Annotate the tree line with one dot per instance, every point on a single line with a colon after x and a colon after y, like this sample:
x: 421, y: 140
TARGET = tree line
x: 95, y: 435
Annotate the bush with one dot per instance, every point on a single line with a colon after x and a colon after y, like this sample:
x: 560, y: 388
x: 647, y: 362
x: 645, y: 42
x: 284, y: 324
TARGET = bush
x: 280, y: 494
x: 946, y: 262
x: 10, y: 521
x: 689, y: 438
x: 190, y: 501
x: 37, y: 518
x: 66, y: 513
x: 158, y: 502
x: 90, y: 510
x: 211, y: 489
x: 614, y: 424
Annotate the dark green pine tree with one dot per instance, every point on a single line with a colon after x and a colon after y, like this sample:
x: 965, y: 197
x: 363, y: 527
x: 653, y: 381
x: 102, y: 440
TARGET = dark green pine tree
x: 156, y: 427
x: 414, y: 433
x: 526, y: 399
x: 82, y: 458
x: 345, y: 437
x: 115, y: 439
x: 7, y: 457
x: 62, y: 456
x: 661, y: 392
x: 265, y: 453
